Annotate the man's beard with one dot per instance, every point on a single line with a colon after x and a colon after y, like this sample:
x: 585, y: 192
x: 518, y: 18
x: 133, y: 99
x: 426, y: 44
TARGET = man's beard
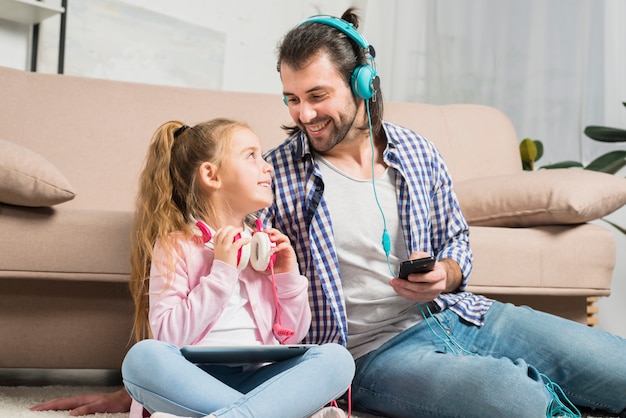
x: 337, y: 135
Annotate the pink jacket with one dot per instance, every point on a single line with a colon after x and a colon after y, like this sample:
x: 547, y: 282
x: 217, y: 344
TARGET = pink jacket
x: 185, y: 311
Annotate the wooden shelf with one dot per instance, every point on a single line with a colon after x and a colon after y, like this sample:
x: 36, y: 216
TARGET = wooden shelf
x: 29, y: 12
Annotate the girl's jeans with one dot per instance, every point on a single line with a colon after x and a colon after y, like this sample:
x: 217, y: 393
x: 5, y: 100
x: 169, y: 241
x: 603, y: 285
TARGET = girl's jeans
x: 161, y: 379
x: 417, y: 374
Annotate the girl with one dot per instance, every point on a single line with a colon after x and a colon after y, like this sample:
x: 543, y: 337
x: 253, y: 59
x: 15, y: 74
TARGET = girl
x: 191, y: 286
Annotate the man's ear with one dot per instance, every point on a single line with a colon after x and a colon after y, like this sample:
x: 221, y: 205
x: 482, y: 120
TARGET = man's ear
x: 208, y: 175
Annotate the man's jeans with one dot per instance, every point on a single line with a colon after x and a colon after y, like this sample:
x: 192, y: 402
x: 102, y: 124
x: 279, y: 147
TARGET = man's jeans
x: 494, y: 370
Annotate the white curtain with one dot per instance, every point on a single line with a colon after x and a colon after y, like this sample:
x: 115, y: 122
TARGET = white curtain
x: 553, y: 66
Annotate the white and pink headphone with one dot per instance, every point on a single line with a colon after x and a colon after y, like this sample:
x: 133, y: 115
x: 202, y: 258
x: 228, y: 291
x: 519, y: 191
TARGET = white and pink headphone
x: 258, y: 252
x: 260, y: 255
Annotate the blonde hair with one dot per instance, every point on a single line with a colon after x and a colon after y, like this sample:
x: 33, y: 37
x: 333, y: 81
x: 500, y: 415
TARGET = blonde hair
x: 168, y: 195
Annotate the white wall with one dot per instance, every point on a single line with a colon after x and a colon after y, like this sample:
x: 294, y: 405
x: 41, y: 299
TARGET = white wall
x: 251, y: 31
x: 612, y: 309
x: 15, y: 43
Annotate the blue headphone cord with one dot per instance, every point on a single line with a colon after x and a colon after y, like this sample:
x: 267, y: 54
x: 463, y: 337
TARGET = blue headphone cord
x: 386, y: 240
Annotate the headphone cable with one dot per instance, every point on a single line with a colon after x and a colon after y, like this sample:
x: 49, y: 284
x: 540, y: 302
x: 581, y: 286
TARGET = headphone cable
x: 386, y: 240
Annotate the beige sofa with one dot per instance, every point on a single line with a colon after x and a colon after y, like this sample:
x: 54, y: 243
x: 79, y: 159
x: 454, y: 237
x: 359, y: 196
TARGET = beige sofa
x: 64, y: 267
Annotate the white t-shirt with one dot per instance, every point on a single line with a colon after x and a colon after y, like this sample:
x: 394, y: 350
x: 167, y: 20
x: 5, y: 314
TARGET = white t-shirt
x: 375, y: 311
x: 236, y: 325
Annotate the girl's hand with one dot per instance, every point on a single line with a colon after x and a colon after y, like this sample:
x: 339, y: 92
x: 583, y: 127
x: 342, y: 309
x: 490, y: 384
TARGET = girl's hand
x: 285, y: 254
x: 226, y: 247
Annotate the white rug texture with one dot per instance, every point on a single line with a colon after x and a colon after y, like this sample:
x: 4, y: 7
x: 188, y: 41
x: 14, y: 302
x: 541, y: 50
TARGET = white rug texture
x: 15, y: 401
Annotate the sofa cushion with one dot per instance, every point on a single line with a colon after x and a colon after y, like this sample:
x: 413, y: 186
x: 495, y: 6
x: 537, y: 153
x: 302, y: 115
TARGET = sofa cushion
x: 553, y: 260
x: 28, y: 179
x: 544, y: 197
x: 61, y: 243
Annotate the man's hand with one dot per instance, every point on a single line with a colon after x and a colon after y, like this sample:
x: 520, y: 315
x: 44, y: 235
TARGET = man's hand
x: 111, y: 402
x: 424, y: 287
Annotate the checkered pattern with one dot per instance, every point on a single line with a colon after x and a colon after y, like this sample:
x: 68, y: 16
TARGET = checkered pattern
x: 429, y: 214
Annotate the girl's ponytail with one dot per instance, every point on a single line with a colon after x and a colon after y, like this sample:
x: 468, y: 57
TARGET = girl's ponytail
x: 156, y: 216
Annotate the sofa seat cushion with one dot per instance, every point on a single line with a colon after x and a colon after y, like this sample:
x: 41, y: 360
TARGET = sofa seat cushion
x: 65, y: 244
x: 543, y: 260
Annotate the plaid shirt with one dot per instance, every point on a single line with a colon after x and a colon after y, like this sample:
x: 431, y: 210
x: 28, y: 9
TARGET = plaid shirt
x: 430, y: 217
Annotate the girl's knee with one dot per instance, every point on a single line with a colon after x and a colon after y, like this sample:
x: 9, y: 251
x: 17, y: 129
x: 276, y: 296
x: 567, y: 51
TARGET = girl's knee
x: 340, y: 360
x: 145, y: 355
x: 339, y: 351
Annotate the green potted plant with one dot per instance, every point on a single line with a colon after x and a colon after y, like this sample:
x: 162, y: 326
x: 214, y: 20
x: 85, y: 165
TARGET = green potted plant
x: 531, y: 150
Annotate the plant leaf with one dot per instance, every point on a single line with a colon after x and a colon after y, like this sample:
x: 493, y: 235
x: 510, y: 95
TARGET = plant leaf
x: 539, y: 146
x: 528, y: 151
x: 611, y: 162
x: 605, y: 134
x: 563, y: 164
x: 614, y: 225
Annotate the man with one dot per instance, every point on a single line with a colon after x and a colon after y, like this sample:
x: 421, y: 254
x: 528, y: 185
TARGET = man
x: 423, y: 346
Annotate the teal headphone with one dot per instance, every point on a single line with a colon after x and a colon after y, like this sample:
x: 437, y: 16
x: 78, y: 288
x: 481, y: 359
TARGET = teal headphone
x: 364, y: 80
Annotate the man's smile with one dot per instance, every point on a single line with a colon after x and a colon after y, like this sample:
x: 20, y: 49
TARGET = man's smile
x: 317, y: 127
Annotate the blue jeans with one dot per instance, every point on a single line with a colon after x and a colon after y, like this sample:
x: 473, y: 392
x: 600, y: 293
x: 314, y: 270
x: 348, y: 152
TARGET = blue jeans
x: 161, y: 379
x: 417, y: 374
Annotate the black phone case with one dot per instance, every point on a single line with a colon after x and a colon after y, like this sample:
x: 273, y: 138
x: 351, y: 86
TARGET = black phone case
x: 421, y: 265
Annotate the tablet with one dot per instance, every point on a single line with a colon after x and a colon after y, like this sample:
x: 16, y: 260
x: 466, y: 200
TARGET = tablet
x: 243, y: 354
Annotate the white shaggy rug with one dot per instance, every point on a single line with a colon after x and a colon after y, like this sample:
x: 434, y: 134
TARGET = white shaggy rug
x: 15, y: 401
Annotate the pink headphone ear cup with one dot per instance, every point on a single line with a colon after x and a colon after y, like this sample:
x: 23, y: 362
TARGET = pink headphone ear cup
x: 205, y: 231
x: 261, y: 251
x: 243, y: 255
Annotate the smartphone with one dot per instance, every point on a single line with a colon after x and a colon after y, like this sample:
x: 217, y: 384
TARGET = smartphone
x: 421, y: 265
